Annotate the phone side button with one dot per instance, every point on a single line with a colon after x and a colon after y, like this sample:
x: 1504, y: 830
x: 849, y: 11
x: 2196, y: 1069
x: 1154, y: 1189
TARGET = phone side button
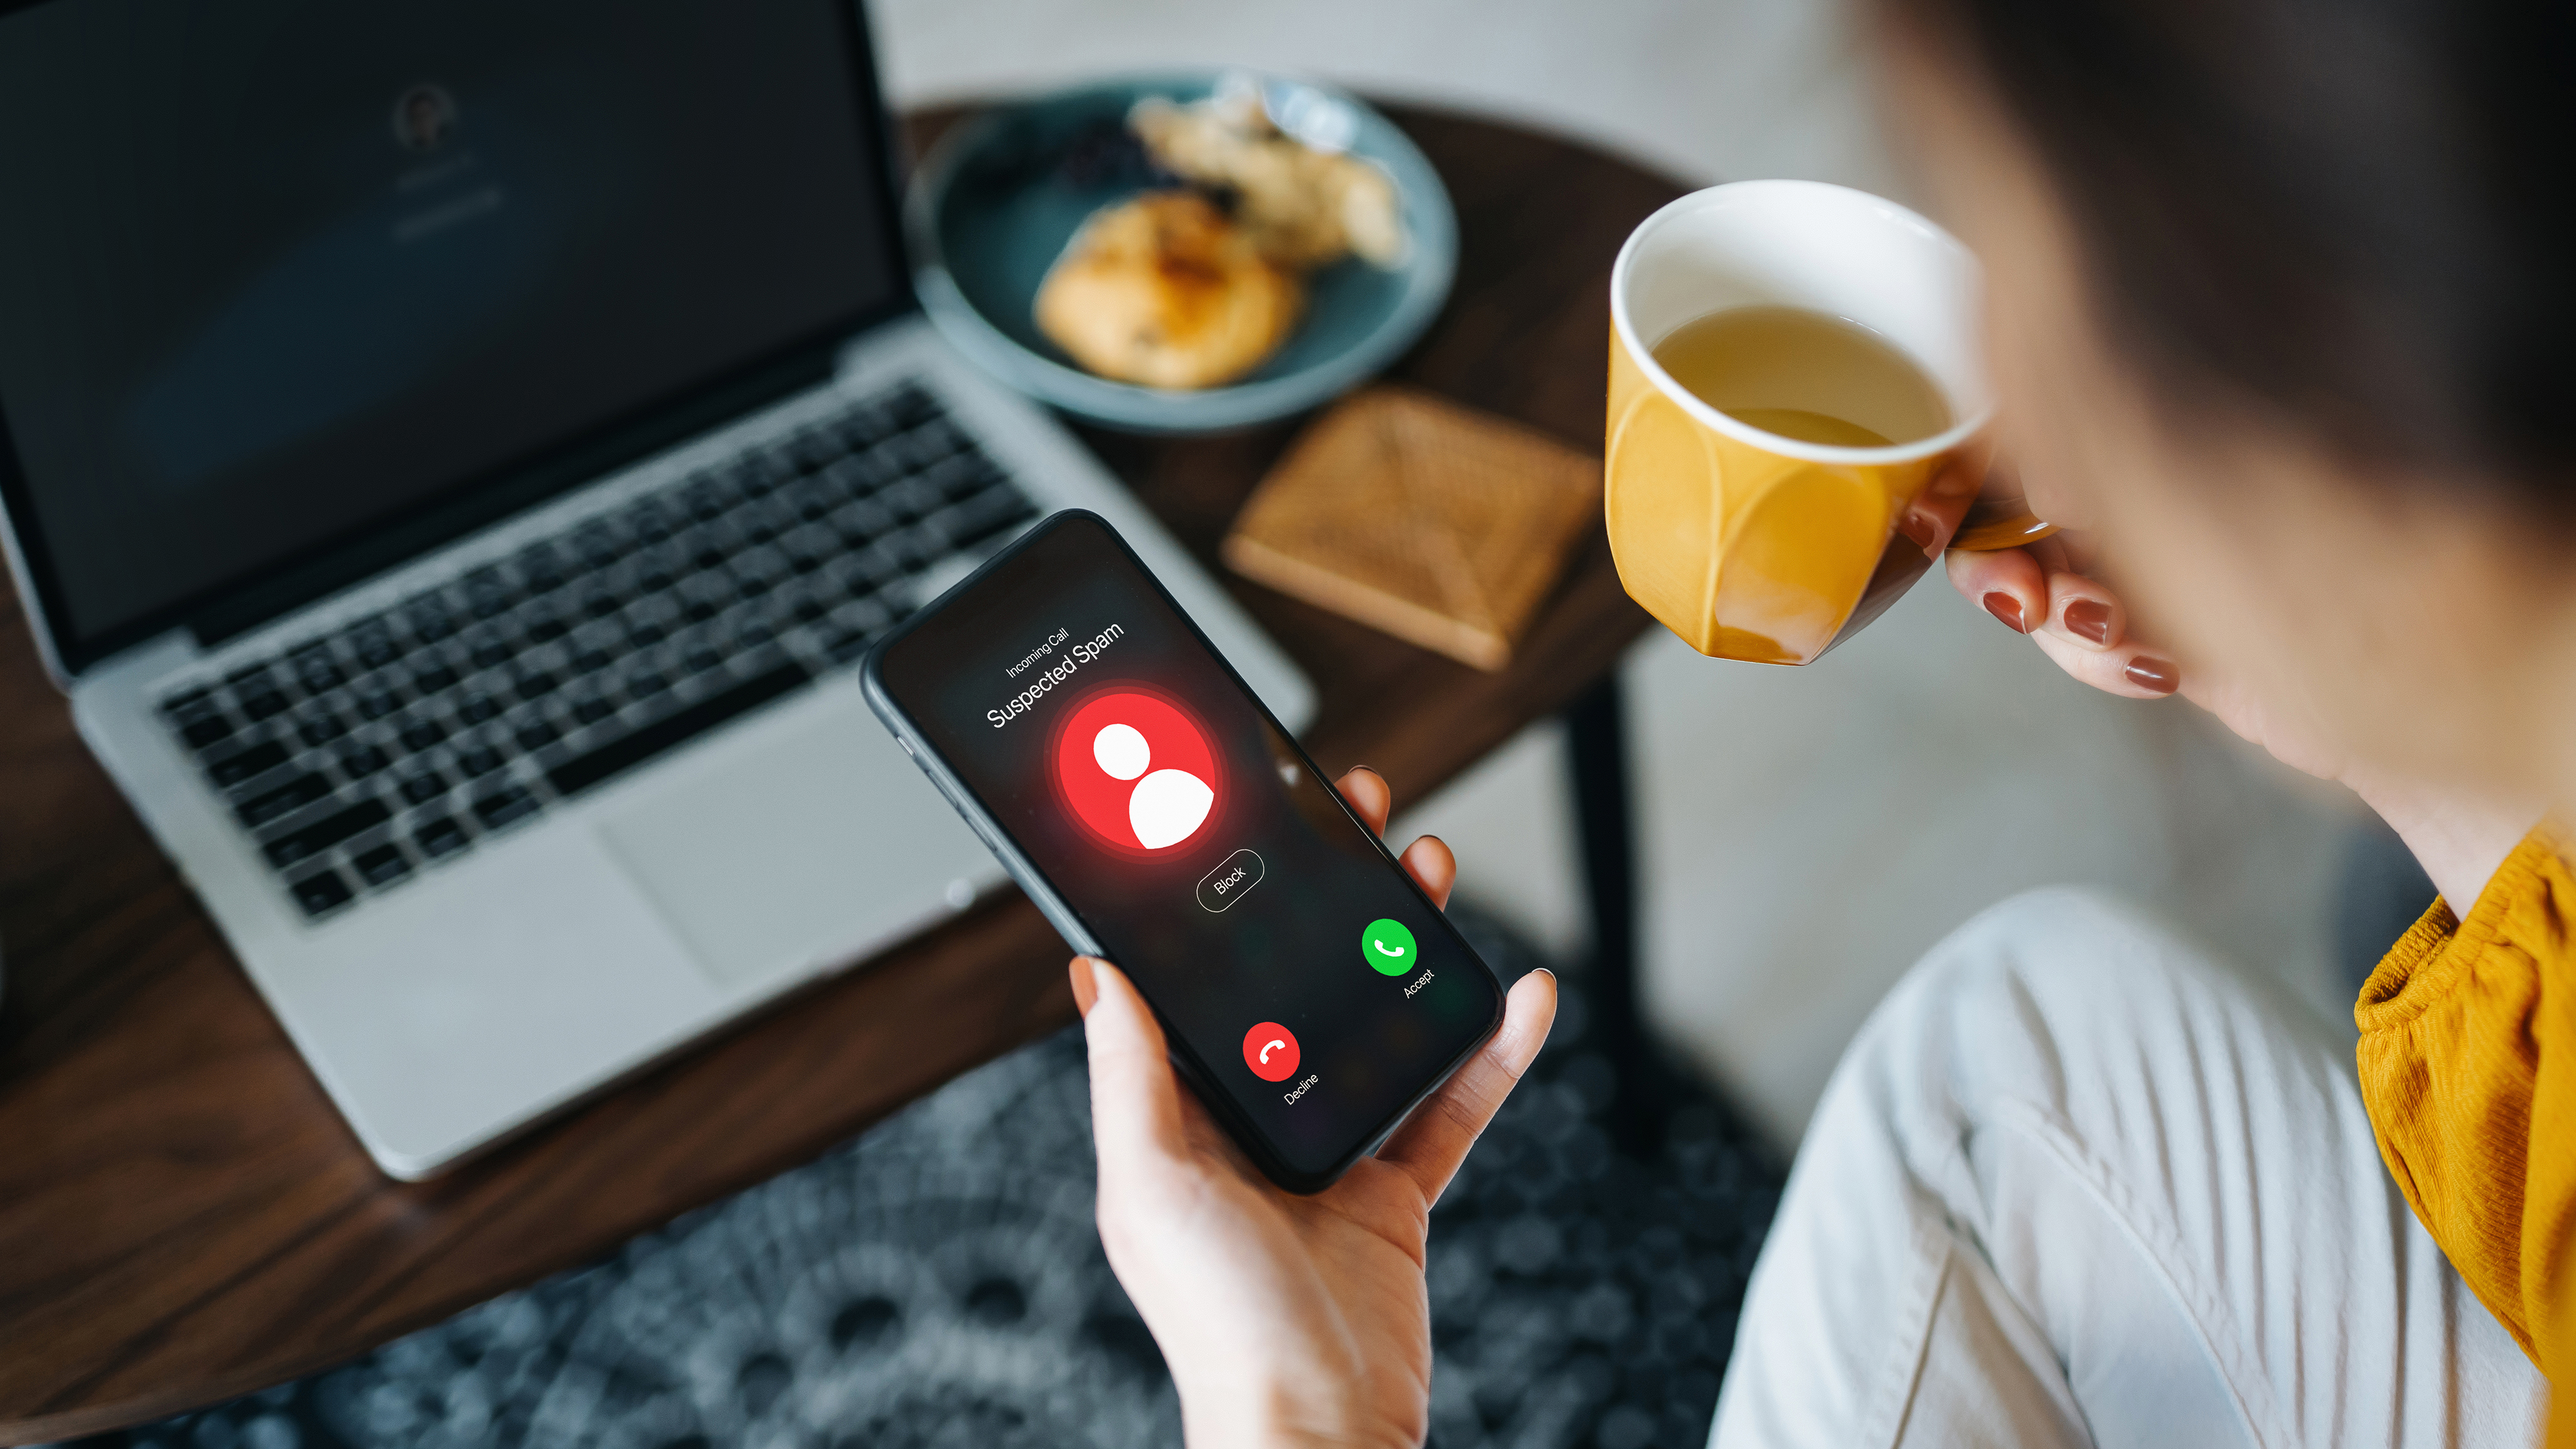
x: 1234, y: 876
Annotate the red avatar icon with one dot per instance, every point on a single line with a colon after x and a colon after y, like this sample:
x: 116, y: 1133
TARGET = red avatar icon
x: 1137, y: 771
x: 1271, y: 1051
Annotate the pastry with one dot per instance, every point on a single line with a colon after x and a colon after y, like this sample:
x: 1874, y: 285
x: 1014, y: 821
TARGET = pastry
x: 1163, y: 290
x: 1304, y: 208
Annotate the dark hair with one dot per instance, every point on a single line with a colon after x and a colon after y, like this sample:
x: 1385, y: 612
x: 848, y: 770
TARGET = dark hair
x: 2361, y: 213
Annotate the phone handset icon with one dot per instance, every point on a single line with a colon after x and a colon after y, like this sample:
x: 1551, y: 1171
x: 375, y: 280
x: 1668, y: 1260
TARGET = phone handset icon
x: 1270, y: 1050
x: 1388, y: 947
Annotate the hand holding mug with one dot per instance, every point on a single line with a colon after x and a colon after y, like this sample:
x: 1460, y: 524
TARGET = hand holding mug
x: 1768, y: 510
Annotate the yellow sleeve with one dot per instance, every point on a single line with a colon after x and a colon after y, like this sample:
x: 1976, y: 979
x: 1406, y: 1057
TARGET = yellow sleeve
x: 2468, y: 1066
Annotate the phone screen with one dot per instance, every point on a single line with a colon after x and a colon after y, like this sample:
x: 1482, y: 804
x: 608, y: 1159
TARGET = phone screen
x: 1310, y: 984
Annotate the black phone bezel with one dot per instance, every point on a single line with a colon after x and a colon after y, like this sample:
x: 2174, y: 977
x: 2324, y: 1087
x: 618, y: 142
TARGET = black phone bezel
x: 1062, y: 911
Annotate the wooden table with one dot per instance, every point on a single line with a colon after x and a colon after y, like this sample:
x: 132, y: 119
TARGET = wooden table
x: 184, y: 1218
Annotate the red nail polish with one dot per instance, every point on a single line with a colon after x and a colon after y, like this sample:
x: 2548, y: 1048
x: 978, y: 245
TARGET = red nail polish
x: 2161, y: 675
x: 1918, y: 528
x: 2007, y: 608
x: 2089, y: 619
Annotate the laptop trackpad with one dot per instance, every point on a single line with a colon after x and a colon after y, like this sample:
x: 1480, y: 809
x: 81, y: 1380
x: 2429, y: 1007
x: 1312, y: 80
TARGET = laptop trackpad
x: 803, y: 840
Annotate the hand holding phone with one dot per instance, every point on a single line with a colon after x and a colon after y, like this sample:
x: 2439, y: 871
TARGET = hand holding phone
x: 1278, y: 1312
x: 1308, y: 988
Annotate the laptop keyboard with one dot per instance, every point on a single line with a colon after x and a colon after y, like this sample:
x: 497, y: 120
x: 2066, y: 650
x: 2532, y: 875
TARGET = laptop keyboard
x: 356, y: 758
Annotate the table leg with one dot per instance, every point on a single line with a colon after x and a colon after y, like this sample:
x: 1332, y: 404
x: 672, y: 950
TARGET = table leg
x: 1596, y: 736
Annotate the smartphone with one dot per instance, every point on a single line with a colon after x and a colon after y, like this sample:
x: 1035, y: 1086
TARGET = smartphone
x: 1143, y: 797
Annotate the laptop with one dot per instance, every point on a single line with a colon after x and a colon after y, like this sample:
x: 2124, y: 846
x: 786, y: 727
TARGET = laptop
x: 455, y: 454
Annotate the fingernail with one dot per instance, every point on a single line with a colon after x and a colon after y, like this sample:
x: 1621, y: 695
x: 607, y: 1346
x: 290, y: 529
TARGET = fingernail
x: 2089, y: 619
x: 2007, y: 608
x: 2161, y: 675
x: 1919, y: 528
x: 1086, y: 991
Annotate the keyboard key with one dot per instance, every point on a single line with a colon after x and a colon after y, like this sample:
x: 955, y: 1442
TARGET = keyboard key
x: 647, y: 683
x: 261, y: 701
x: 486, y: 593
x: 422, y: 734
x: 535, y: 735
x: 984, y: 515
x: 246, y: 763
x: 320, y: 727
x: 478, y: 761
x: 546, y: 625
x: 431, y: 620
x: 540, y: 568
x: 189, y: 703
x: 320, y: 835
x: 279, y: 801
x: 361, y: 761
x: 424, y: 787
x: 378, y: 700
x: 382, y: 865
x: 321, y: 894
x: 531, y: 684
x: 849, y: 644
x: 491, y: 650
x: 436, y: 678
x: 373, y: 643
x: 618, y: 756
x: 206, y: 731
x: 438, y: 836
x: 316, y: 670
x: 504, y: 808
x: 476, y: 708
x: 591, y: 709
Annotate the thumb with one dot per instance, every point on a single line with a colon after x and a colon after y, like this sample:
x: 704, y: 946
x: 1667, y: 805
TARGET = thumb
x: 1135, y: 1100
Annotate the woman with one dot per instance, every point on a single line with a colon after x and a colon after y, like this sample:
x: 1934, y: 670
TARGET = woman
x: 2281, y: 323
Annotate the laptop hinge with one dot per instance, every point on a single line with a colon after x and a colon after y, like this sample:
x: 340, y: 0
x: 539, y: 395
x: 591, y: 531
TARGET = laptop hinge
x: 334, y: 567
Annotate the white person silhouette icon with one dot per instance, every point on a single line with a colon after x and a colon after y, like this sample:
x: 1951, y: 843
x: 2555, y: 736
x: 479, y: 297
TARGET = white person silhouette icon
x: 1168, y: 804
x: 1137, y: 771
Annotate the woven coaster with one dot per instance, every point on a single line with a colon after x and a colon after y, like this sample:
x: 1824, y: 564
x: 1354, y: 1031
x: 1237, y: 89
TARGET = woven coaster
x: 1442, y: 526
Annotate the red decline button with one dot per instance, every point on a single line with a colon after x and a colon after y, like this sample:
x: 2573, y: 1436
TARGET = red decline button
x: 1271, y: 1051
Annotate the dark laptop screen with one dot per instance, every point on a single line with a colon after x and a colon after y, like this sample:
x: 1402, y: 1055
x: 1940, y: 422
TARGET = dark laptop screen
x: 273, y: 272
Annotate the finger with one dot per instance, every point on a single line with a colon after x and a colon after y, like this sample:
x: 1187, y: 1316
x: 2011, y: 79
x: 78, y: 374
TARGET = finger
x: 2007, y: 583
x: 1434, y: 1140
x: 1432, y: 867
x: 2130, y: 668
x: 1135, y: 1100
x: 1929, y: 520
x: 1367, y: 791
x: 2083, y: 613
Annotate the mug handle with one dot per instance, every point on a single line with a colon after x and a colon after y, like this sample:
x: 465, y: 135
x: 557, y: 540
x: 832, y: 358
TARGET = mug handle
x: 1998, y: 517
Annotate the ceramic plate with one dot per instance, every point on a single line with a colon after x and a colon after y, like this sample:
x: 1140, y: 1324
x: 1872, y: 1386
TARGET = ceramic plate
x: 996, y: 200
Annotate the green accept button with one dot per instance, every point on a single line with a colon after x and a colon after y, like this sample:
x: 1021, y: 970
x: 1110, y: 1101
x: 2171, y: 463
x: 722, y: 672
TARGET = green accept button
x: 1387, y: 946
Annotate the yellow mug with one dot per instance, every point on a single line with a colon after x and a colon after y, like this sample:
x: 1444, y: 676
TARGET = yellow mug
x: 1754, y: 546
